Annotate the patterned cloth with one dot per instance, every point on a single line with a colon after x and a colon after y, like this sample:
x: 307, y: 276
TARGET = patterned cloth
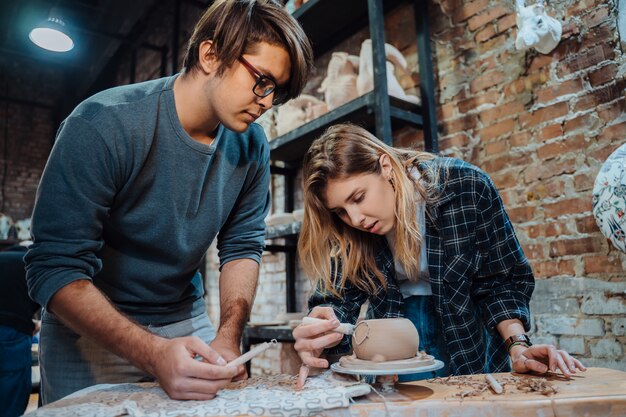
x: 269, y: 395
x: 478, y: 271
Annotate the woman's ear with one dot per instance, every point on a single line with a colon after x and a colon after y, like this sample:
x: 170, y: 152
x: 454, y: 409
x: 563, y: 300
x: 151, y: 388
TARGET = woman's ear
x: 385, y: 165
x: 206, y: 57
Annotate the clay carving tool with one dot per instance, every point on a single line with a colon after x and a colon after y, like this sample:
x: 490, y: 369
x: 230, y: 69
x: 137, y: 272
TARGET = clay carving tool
x: 257, y: 350
x: 495, y: 385
x: 344, y: 328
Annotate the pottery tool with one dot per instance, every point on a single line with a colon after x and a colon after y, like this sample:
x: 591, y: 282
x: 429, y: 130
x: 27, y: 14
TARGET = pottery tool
x: 252, y: 353
x: 495, y: 386
x: 344, y: 328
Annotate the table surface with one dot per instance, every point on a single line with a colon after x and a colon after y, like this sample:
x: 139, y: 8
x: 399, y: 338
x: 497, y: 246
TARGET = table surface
x: 596, y: 392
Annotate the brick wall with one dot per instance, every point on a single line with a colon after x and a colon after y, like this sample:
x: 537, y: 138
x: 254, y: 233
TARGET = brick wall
x: 27, y: 127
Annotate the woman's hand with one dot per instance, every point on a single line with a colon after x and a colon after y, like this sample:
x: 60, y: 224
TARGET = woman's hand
x: 312, y: 339
x: 544, y: 358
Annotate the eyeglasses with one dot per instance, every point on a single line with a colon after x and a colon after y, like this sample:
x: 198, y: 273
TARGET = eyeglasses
x: 264, y: 85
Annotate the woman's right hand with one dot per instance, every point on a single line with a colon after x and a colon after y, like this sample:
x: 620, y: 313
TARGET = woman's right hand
x: 312, y: 339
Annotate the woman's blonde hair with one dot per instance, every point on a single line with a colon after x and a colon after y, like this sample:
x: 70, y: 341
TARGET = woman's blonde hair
x: 326, y: 243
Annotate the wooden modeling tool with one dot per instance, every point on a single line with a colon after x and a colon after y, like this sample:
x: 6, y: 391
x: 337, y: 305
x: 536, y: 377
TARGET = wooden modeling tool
x: 257, y: 350
x: 495, y: 386
x: 344, y: 328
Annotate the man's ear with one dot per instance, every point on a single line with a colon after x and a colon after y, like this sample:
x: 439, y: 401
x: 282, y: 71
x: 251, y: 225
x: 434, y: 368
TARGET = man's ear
x: 206, y: 57
x: 385, y: 165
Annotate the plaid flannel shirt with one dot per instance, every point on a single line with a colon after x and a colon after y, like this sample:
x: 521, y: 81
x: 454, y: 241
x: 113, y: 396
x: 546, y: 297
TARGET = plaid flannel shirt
x: 478, y: 272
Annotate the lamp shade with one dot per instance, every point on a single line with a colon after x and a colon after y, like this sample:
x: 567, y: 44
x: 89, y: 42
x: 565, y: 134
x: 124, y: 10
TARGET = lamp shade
x: 51, y: 35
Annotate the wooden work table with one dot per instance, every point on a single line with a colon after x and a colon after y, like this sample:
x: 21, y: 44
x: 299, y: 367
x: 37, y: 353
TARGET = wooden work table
x: 598, y: 392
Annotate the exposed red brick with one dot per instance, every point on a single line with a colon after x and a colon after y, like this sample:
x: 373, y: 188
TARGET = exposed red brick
x: 521, y: 214
x: 451, y: 34
x: 499, y: 163
x: 613, y: 132
x: 505, y: 23
x: 461, y: 124
x: 540, y: 61
x: 569, y: 144
x: 597, y: 16
x: 484, y: 81
x: 612, y: 111
x: 563, y: 247
x: 600, y: 96
x: 552, y: 268
x: 552, y: 92
x: 497, y: 147
x: 549, y: 169
x: 468, y: 10
x: 454, y: 141
x: 447, y: 111
x: 499, y: 129
x: 603, y: 264
x: 587, y: 224
x: 544, y: 114
x: 557, y: 228
x: 603, y: 75
x: 506, y: 179
x: 586, y: 123
x: 490, y: 97
x: 482, y: 19
x: 570, y: 206
x: 585, y: 59
x: 501, y: 111
x: 519, y: 139
x: 534, y: 251
x: 551, y: 131
x: 583, y: 182
x: 485, y: 34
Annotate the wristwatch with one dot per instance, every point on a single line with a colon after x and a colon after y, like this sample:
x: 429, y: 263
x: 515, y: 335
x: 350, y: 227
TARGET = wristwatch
x: 517, y: 339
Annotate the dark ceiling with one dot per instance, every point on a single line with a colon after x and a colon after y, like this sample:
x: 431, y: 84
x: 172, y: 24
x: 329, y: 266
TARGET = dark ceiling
x: 99, y: 28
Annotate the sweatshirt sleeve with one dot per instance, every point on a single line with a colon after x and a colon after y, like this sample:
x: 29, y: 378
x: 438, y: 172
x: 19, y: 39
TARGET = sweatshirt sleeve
x: 243, y: 234
x: 74, y: 196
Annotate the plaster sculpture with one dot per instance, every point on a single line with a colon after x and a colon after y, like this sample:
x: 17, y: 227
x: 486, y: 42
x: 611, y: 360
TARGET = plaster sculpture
x: 5, y: 226
x: 609, y: 198
x: 22, y: 227
x: 339, y: 86
x: 297, y: 112
x: 536, y: 29
x: 381, y: 340
x: 395, y: 59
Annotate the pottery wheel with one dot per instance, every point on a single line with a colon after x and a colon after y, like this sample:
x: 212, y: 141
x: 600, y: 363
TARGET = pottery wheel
x: 353, y: 366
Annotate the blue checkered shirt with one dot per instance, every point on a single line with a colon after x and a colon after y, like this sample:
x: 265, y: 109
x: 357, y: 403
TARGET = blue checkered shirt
x: 478, y: 272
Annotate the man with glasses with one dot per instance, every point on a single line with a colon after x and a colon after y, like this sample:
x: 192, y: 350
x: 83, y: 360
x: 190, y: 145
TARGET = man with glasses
x: 140, y: 181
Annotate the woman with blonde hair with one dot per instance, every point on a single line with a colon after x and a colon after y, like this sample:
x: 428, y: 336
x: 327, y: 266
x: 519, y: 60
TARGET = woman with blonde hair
x: 418, y: 236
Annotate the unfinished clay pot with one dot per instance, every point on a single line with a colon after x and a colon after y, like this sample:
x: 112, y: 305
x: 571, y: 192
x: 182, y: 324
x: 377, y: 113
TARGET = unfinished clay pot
x: 383, y: 340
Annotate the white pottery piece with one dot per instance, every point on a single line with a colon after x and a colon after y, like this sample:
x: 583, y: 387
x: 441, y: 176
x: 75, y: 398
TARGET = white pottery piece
x: 609, y: 198
x: 536, y: 29
x: 5, y: 226
x: 339, y: 86
x: 395, y: 59
x: 381, y: 340
x: 297, y: 112
x: 22, y: 227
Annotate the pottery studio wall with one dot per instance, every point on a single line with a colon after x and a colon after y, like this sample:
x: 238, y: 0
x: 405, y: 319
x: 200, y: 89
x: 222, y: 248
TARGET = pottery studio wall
x: 540, y: 125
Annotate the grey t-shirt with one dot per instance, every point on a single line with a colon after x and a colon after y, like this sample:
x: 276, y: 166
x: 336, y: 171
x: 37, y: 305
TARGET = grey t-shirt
x: 131, y: 201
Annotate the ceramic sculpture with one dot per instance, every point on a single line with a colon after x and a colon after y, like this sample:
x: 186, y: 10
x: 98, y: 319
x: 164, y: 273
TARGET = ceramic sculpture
x: 22, y: 228
x: 297, y: 112
x: 339, y: 86
x: 381, y: 340
x: 609, y: 198
x: 395, y: 59
x: 5, y: 226
x: 536, y: 29
x: 268, y: 123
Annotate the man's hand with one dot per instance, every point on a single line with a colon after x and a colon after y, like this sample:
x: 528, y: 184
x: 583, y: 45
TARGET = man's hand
x: 183, y: 377
x: 229, y: 352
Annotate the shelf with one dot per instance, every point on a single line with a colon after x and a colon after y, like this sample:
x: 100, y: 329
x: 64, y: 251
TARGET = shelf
x: 282, y: 230
x: 292, y: 146
x: 342, y: 18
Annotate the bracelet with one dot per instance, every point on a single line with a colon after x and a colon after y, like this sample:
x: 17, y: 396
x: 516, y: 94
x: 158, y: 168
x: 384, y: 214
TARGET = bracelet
x: 517, y: 339
x: 517, y: 343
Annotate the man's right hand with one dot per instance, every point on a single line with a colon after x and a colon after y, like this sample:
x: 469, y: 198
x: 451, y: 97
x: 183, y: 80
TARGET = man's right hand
x: 173, y: 362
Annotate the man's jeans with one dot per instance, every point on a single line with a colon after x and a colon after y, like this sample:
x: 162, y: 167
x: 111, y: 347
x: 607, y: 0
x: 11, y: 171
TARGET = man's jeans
x: 70, y: 362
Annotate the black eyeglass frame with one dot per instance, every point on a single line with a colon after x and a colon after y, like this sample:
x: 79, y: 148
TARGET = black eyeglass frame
x: 280, y: 95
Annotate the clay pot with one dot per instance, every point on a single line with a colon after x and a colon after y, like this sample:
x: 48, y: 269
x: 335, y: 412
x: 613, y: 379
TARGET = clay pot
x: 383, y: 340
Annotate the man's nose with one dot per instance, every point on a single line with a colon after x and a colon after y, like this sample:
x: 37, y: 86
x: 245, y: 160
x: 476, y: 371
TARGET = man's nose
x: 267, y: 101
